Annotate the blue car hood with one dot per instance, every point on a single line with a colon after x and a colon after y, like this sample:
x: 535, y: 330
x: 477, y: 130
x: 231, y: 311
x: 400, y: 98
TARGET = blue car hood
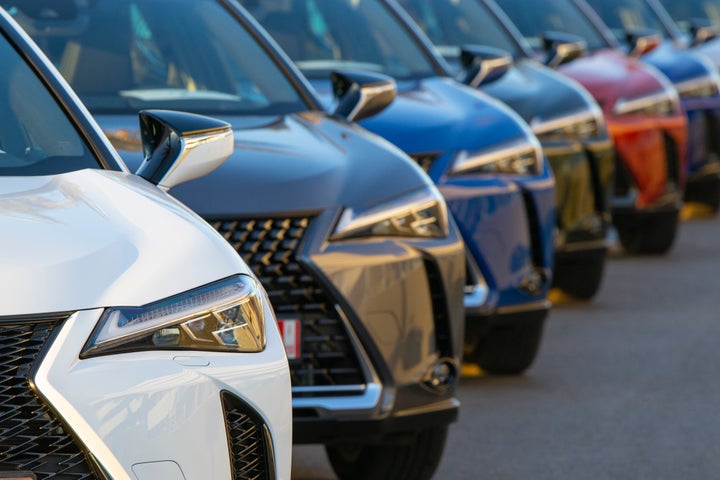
x: 439, y: 115
x: 301, y: 162
x: 678, y: 65
x: 539, y: 93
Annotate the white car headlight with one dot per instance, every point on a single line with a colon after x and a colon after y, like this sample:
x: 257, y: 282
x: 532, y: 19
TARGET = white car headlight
x: 224, y: 316
x: 421, y: 213
x: 662, y: 103
x: 523, y: 156
x: 581, y: 125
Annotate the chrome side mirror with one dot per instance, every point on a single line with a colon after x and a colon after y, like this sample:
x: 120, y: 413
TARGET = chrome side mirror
x: 702, y: 31
x: 642, y: 41
x: 482, y: 65
x: 562, y: 48
x: 361, y: 94
x: 178, y: 147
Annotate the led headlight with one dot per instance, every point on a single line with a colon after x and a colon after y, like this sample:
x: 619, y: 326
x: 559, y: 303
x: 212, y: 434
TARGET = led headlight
x: 523, y: 156
x: 661, y: 103
x: 585, y: 124
x: 225, y: 316
x: 705, y: 86
x: 421, y: 213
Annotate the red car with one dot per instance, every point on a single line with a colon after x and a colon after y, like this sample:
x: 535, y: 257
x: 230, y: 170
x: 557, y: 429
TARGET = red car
x: 641, y: 108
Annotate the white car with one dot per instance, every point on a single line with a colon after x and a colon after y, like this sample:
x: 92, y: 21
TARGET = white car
x: 134, y: 342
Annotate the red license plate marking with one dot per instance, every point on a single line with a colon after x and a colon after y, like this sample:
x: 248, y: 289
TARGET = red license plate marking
x: 290, y: 333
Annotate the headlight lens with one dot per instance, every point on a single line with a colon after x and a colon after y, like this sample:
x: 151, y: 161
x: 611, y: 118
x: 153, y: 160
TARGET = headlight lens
x: 223, y: 316
x: 706, y: 86
x: 421, y: 213
x: 522, y: 157
x: 662, y: 103
x: 580, y: 125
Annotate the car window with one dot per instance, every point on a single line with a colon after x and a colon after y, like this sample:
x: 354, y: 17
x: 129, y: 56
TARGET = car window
x: 125, y: 55
x: 451, y: 24
x: 623, y: 15
x: 535, y: 17
x: 323, y: 35
x: 686, y: 10
x: 36, y: 136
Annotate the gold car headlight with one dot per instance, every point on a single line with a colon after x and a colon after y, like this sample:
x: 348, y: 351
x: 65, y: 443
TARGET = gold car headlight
x: 521, y: 157
x: 585, y: 124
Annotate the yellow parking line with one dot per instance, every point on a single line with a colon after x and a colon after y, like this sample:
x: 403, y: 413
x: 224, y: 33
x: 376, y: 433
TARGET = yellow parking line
x: 694, y: 211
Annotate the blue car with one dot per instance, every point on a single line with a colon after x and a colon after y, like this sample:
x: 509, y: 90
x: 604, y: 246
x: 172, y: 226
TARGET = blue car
x: 563, y: 115
x: 694, y: 76
x: 483, y: 157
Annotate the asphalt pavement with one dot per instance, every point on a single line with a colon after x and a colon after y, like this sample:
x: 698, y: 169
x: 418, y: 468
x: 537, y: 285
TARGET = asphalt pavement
x: 625, y: 387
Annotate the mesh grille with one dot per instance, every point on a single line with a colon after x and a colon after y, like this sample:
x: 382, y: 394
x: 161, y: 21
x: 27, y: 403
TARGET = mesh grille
x: 270, y: 247
x: 425, y: 160
x: 249, y: 446
x: 31, y: 439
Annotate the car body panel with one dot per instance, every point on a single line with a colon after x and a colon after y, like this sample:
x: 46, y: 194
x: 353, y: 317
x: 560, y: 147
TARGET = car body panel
x: 106, y: 263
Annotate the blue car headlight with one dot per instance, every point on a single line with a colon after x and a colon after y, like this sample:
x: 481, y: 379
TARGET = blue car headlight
x: 227, y: 315
x: 521, y: 157
x: 421, y: 213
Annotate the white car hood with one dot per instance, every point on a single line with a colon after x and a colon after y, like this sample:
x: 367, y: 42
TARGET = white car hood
x: 94, y: 238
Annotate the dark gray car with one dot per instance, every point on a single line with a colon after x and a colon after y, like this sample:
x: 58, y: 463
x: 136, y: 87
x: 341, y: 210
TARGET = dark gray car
x: 354, y: 244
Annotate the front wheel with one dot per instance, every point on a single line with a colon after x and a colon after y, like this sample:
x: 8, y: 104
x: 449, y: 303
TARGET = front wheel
x: 651, y: 237
x: 508, y: 349
x: 416, y: 460
x: 580, y: 276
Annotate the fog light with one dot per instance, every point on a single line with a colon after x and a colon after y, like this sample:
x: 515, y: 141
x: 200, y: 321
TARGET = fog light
x: 534, y: 281
x: 441, y: 375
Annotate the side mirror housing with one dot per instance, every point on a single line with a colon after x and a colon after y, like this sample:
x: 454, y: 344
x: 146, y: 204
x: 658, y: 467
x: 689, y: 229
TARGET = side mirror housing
x: 562, y: 48
x: 482, y: 65
x: 361, y: 94
x: 702, y: 31
x: 178, y: 147
x: 642, y: 41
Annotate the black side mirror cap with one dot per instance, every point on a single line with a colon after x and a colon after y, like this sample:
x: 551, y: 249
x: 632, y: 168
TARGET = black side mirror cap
x: 482, y: 65
x: 702, y: 31
x: 562, y: 48
x: 642, y: 41
x: 361, y: 95
x: 178, y: 146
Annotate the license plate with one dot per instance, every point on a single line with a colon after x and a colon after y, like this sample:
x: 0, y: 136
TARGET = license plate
x: 17, y: 476
x: 290, y: 333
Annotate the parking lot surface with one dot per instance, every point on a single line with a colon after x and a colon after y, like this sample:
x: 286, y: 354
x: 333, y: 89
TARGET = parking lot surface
x: 625, y: 387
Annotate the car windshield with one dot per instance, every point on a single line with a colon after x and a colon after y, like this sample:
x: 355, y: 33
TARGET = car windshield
x: 535, y: 17
x: 624, y: 15
x: 686, y: 10
x: 36, y: 136
x: 323, y: 35
x: 121, y: 56
x: 451, y: 24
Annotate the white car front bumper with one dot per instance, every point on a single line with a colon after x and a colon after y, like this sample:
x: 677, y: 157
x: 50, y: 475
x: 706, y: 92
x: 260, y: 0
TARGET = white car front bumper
x: 153, y: 415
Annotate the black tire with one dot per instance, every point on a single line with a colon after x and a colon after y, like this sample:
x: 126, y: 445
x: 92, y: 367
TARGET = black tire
x: 416, y: 460
x: 580, y: 276
x: 651, y: 237
x: 508, y: 349
x: 707, y: 194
